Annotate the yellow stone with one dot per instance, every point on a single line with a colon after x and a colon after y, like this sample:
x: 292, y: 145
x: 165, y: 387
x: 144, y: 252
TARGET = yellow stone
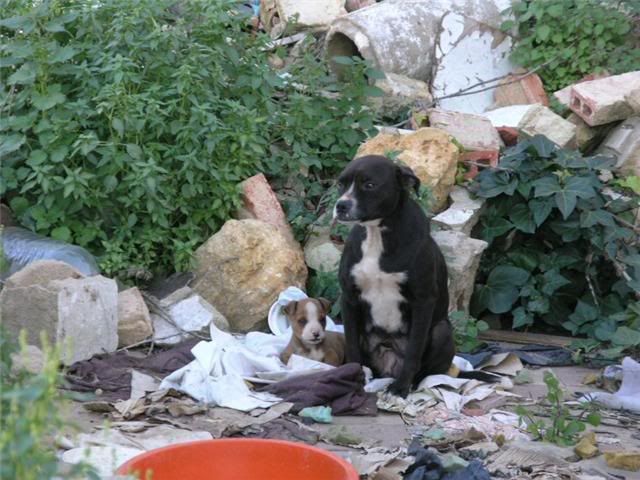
x: 623, y: 460
x: 586, y: 447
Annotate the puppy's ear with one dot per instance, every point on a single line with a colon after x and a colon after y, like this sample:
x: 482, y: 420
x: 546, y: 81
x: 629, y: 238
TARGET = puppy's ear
x: 290, y: 308
x: 326, y: 305
x: 407, y: 178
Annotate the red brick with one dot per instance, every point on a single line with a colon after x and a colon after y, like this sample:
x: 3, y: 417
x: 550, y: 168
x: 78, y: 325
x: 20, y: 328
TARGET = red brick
x: 261, y: 203
x: 509, y: 135
x: 527, y: 90
x: 488, y: 158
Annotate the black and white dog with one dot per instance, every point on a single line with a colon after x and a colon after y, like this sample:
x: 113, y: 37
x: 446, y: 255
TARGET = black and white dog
x: 393, y: 276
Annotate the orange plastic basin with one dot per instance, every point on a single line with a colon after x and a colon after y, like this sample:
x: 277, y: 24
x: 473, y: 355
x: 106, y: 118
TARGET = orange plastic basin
x: 239, y: 459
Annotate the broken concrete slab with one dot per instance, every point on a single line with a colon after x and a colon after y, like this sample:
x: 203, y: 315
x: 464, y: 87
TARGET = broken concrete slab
x: 79, y: 314
x: 474, y: 132
x: 462, y: 255
x: 276, y: 15
x: 431, y: 154
x: 623, y: 144
x: 463, y: 213
x: 134, y: 322
x: 586, y: 136
x: 42, y: 272
x: 191, y: 313
x: 261, y: 203
x: 633, y: 99
x: 603, y: 100
x: 400, y: 92
x: 535, y: 120
x: 520, y: 89
x: 564, y: 94
x: 243, y: 267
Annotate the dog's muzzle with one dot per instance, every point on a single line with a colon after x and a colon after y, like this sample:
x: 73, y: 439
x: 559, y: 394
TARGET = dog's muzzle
x: 344, y: 211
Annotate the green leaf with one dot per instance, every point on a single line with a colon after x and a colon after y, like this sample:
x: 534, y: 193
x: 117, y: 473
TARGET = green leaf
x: 583, y: 313
x: 521, y: 318
x: 566, y: 202
x: 26, y: 24
x: 543, y: 32
x: 134, y: 151
x: 61, y: 233
x: 62, y: 54
x: 25, y: 75
x: 553, y: 281
x: 541, y: 208
x: 11, y: 143
x: 493, y: 227
x: 59, y: 154
x: 19, y: 205
x: 48, y: 100
x: 589, y: 218
x: 593, y: 419
x: 546, y: 186
x: 501, y: 289
x: 522, y: 218
x: 543, y: 145
x: 110, y: 183
x: 626, y: 337
x: 341, y: 60
x: 36, y: 157
x: 555, y: 11
x: 372, y: 91
x: 118, y: 126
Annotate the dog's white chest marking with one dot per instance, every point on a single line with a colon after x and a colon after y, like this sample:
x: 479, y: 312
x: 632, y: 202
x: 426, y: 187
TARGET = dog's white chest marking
x: 381, y: 290
x: 316, y: 354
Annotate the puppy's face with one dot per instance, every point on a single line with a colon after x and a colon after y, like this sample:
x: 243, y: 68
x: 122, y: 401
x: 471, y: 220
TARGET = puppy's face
x: 370, y: 189
x: 308, y: 319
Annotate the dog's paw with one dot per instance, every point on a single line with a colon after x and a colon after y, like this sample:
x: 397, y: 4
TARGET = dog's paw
x: 399, y: 388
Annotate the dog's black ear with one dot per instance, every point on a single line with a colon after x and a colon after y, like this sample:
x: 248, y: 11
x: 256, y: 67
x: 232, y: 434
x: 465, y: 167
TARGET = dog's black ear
x: 290, y: 308
x: 326, y: 305
x: 407, y: 178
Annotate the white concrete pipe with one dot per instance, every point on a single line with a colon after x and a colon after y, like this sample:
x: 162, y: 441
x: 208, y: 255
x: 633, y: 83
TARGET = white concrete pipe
x: 400, y: 36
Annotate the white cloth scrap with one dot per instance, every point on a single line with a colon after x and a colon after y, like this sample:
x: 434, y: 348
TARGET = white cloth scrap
x: 628, y: 397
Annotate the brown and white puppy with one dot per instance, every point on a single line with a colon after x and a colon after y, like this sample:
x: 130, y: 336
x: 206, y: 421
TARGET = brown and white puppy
x: 309, y: 338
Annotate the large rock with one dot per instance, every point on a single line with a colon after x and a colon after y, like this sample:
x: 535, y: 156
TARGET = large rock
x: 80, y: 314
x: 320, y: 252
x: 242, y: 269
x: 431, y: 154
x: 462, y: 254
x: 134, y: 321
x: 42, y: 272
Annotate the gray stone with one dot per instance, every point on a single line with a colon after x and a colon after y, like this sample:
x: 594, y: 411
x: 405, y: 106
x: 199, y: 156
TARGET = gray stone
x: 462, y: 254
x: 42, y: 272
x: 463, y: 213
x: 623, y: 144
x: 479, y: 450
x: 30, y: 359
x: 134, y: 322
x: 190, y: 314
x: 633, y: 99
x: 81, y: 314
x: 320, y: 253
x: 400, y: 92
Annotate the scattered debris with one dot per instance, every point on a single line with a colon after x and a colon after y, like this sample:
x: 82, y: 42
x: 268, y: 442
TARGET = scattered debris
x: 628, y: 397
x: 226, y: 272
x: 318, y: 414
x: 429, y: 152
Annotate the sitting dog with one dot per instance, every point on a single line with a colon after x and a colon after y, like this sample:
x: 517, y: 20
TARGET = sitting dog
x: 393, y: 276
x: 309, y: 338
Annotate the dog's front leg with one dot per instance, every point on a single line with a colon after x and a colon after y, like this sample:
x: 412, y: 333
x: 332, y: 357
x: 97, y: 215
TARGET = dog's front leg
x: 419, y: 331
x: 351, y: 318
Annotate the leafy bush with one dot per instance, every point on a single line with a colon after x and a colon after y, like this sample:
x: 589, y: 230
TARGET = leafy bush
x: 573, y: 38
x: 30, y: 417
x: 126, y: 127
x: 563, y: 252
x: 466, y: 330
x: 563, y: 428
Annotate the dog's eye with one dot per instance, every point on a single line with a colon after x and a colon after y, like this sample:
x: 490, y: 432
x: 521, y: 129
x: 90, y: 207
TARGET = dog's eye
x: 369, y: 186
x: 340, y: 186
x: 302, y: 322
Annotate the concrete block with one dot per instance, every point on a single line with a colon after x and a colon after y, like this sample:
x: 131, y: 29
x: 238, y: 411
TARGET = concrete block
x: 633, y: 99
x: 564, y: 95
x: 462, y: 254
x: 525, y: 91
x: 623, y: 144
x: 80, y: 314
x: 603, y: 101
x: 533, y: 120
x: 463, y: 213
x: 474, y: 132
x: 275, y: 15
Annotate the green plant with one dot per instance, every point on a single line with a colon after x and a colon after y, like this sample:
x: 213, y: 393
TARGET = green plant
x: 573, y: 38
x: 126, y: 126
x: 30, y: 416
x: 563, y: 428
x: 325, y: 284
x: 466, y: 330
x: 631, y: 182
x: 563, y: 253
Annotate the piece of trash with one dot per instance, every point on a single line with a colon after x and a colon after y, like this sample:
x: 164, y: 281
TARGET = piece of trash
x: 342, y: 436
x: 628, y: 397
x: 318, y: 414
x: 523, y: 376
x: 453, y: 463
